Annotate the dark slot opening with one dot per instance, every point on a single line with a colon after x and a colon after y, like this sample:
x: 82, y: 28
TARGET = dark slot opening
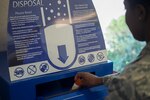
x: 55, y: 88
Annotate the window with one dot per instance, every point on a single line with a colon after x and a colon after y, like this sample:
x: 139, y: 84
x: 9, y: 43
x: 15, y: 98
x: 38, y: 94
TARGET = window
x: 121, y: 46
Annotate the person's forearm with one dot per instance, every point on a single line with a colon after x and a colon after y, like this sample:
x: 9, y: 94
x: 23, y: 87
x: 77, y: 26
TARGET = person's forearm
x: 107, y: 78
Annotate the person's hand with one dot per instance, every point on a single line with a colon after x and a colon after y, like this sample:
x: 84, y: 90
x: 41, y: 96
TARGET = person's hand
x: 88, y: 79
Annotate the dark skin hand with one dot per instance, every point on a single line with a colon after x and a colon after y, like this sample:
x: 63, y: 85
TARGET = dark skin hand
x: 87, y: 79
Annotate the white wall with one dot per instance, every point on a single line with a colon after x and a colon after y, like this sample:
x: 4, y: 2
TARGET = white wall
x: 108, y: 10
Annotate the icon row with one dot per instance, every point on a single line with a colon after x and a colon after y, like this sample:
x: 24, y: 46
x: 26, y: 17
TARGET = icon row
x: 31, y: 70
x: 44, y: 67
x: 91, y: 58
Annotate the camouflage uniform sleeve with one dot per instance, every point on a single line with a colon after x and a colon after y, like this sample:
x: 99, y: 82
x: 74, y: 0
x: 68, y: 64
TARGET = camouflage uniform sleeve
x: 133, y: 83
x: 120, y: 89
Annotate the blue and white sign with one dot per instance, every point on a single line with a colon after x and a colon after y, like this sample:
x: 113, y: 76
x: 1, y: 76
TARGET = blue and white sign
x: 19, y: 72
x: 32, y: 70
x: 44, y: 67
x: 47, y: 36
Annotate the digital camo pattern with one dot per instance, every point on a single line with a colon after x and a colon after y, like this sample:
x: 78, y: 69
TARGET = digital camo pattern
x: 134, y: 82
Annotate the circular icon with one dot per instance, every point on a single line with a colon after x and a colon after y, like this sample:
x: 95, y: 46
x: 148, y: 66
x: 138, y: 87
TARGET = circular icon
x: 19, y: 72
x: 32, y: 69
x: 100, y: 56
x: 44, y: 67
x: 81, y: 60
x: 91, y: 58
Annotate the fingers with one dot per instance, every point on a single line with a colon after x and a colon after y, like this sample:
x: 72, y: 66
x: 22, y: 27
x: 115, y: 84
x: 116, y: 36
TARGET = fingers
x: 82, y: 78
x: 87, y: 79
x: 80, y: 75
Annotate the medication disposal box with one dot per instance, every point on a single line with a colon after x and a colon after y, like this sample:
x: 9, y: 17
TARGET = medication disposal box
x: 47, y: 36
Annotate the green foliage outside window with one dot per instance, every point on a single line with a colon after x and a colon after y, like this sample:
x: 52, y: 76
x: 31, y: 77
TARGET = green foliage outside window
x: 121, y: 46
